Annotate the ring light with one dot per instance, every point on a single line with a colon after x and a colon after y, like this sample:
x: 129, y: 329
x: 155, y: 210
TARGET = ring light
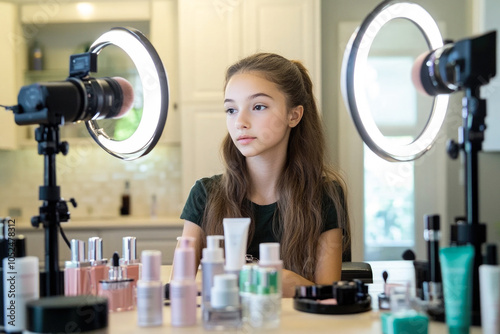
x: 155, y: 89
x: 355, y: 64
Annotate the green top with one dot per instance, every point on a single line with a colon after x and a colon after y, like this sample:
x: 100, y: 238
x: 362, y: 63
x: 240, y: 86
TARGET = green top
x: 265, y: 215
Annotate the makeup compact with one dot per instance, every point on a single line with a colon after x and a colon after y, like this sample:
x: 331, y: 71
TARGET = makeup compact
x: 343, y: 297
x: 63, y: 314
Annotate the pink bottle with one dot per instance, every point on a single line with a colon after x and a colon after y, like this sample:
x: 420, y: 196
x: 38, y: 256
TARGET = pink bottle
x: 129, y: 261
x: 118, y: 288
x: 183, y: 289
x: 98, y: 265
x: 150, y: 290
x: 77, y: 276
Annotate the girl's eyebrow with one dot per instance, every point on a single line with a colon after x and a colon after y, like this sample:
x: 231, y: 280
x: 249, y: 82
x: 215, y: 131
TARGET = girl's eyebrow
x: 252, y: 97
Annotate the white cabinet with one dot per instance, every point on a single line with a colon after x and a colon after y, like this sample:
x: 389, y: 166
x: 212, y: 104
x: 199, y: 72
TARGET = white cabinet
x: 8, y: 74
x: 215, y: 34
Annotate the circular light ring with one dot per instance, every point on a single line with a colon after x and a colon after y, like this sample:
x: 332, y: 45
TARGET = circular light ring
x: 354, y: 66
x: 155, y: 91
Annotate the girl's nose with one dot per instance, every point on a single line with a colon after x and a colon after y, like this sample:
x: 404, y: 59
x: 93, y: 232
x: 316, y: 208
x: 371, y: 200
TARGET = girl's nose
x: 242, y: 120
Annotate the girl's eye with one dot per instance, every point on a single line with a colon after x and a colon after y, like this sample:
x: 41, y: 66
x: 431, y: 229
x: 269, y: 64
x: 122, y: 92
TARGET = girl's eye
x: 230, y: 111
x: 260, y: 107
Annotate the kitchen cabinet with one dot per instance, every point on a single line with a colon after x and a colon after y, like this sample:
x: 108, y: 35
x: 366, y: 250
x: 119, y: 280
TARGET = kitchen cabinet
x: 215, y: 34
x: 67, y: 28
x: 8, y: 74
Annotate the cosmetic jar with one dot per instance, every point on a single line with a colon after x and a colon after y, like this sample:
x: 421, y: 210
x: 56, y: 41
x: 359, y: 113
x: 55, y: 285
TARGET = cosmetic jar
x: 67, y: 314
x: 404, y: 322
x: 224, y: 310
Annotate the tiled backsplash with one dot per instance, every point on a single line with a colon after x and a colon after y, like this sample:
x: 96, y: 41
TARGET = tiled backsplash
x: 95, y: 179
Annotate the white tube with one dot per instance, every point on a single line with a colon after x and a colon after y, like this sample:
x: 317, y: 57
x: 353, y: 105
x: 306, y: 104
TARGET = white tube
x: 489, y: 278
x: 235, y: 236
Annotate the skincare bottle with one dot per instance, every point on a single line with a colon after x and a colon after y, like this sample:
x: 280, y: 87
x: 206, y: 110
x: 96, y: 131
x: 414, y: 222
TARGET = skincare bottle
x: 224, y: 310
x: 265, y: 305
x: 20, y: 285
x: 98, y: 265
x: 433, y: 292
x: 248, y: 284
x: 235, y: 236
x: 150, y: 290
x: 117, y: 288
x: 489, y: 281
x: 456, y: 268
x: 36, y: 57
x: 129, y: 260
x: 125, y: 208
x: 212, y: 263
x: 77, y: 276
x: 183, y: 290
x: 269, y: 257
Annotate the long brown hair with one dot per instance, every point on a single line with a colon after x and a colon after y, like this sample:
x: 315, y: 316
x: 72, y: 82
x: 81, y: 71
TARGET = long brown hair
x: 305, y: 179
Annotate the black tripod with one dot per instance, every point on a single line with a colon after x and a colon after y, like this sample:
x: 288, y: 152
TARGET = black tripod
x: 54, y: 210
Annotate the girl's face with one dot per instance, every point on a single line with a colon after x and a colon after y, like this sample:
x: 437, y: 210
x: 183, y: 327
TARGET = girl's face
x: 257, y: 117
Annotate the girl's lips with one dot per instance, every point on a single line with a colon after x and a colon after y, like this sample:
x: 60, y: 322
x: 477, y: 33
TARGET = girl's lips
x: 244, y: 140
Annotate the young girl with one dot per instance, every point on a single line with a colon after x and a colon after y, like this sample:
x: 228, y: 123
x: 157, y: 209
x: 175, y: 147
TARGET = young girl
x: 275, y: 173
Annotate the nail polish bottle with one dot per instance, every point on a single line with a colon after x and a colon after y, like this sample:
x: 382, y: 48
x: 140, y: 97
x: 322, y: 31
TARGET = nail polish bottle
x: 150, y: 290
x: 183, y: 290
x: 129, y: 260
x: 117, y: 288
x: 224, y: 311
x: 98, y: 265
x: 77, y: 276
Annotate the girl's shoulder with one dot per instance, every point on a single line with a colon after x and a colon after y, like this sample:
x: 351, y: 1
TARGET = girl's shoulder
x: 208, y: 183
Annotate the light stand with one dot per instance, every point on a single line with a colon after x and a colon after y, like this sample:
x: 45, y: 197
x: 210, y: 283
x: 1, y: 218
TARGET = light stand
x: 54, y: 210
x: 84, y: 98
x: 465, y: 65
x: 470, y: 141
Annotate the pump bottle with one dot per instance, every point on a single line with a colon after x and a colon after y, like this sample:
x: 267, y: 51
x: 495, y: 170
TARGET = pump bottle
x: 183, y: 290
x: 150, y: 290
x: 212, y: 263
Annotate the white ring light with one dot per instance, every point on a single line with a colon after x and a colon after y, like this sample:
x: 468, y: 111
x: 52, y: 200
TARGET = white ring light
x: 155, y: 89
x: 354, y: 66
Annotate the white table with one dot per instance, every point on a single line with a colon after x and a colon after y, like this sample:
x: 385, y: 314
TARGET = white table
x: 293, y: 321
